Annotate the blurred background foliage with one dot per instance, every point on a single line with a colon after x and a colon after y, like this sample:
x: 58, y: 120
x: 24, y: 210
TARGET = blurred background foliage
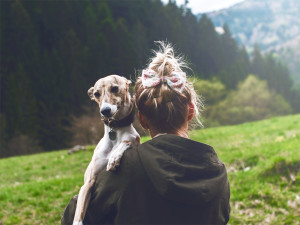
x: 53, y: 51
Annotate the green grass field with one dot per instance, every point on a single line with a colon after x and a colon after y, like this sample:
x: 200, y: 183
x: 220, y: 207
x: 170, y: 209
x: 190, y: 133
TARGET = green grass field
x: 262, y: 159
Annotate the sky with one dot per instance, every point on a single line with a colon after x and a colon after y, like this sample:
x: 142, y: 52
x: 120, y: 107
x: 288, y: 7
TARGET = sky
x: 201, y: 6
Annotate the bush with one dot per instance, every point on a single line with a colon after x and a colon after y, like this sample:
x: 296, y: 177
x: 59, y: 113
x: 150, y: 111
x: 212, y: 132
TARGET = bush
x: 212, y: 92
x: 21, y: 145
x: 86, y: 129
x: 251, y: 101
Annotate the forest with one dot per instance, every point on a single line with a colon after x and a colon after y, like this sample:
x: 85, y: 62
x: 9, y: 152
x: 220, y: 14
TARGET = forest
x: 53, y: 51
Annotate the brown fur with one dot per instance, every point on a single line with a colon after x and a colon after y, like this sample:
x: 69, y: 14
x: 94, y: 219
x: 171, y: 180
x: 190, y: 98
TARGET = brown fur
x: 103, y: 87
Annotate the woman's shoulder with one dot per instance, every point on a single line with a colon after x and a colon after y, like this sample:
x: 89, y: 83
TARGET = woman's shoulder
x: 166, y: 147
x: 175, y: 142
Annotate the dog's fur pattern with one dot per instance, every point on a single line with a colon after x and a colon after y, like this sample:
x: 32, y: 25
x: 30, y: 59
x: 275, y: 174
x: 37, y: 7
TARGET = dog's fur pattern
x: 108, y: 152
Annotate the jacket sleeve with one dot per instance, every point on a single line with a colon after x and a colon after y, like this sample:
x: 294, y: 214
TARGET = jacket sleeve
x: 96, y: 214
x: 68, y: 214
x: 103, y: 206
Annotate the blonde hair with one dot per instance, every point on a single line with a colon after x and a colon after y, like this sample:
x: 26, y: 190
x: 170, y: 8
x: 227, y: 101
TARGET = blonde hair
x: 167, y: 109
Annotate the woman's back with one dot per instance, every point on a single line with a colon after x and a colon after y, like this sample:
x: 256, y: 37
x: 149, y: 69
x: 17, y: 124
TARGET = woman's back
x: 168, y: 180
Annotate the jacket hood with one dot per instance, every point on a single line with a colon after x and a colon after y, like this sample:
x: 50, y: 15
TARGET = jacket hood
x: 183, y: 170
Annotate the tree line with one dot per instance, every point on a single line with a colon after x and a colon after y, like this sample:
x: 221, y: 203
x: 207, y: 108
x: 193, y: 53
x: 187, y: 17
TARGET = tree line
x: 53, y: 51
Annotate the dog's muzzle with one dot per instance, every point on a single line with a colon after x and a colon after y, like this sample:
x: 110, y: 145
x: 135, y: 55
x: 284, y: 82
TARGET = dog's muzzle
x: 106, y: 111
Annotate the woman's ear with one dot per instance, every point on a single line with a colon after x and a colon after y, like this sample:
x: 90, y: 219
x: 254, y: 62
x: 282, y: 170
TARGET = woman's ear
x: 191, y: 111
x: 142, y: 120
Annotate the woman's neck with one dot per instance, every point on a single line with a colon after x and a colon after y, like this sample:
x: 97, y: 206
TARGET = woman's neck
x: 181, y: 132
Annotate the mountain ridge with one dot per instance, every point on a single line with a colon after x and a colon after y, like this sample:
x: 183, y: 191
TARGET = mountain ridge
x: 265, y: 22
x: 273, y: 25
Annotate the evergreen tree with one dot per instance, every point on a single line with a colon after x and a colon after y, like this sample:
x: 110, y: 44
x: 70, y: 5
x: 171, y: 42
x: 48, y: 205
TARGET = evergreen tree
x: 125, y: 52
x: 208, y: 48
x: 257, y: 65
x: 229, y: 46
x: 276, y: 74
x: 72, y: 54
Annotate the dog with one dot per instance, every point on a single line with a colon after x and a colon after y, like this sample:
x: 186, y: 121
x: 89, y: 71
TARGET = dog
x: 117, y: 110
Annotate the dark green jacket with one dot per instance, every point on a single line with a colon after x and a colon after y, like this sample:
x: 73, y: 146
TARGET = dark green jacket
x: 167, y: 180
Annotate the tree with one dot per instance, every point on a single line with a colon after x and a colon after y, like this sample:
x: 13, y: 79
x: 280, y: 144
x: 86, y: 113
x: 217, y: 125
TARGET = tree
x: 229, y: 46
x: 71, y: 53
x: 208, y: 48
x: 257, y: 65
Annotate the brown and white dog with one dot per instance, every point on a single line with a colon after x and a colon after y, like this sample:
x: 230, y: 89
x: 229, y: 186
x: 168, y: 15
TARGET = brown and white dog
x: 117, y: 110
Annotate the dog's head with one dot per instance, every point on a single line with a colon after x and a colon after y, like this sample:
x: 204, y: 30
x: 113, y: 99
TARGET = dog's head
x: 112, y: 95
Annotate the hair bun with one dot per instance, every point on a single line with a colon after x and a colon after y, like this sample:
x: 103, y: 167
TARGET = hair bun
x: 165, y: 108
x: 164, y: 61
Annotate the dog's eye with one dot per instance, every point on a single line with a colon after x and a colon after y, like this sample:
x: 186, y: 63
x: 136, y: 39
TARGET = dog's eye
x: 114, y: 89
x: 97, y: 94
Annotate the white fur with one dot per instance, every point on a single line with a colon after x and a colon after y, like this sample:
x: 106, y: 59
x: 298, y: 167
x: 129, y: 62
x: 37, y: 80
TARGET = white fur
x: 78, y: 223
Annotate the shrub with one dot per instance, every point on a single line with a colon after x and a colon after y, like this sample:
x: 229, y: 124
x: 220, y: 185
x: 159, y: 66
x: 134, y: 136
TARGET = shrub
x: 252, y: 100
x: 211, y: 92
x: 86, y: 129
x: 21, y: 145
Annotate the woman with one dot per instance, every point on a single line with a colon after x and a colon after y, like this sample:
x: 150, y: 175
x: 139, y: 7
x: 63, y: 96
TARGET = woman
x: 169, y: 179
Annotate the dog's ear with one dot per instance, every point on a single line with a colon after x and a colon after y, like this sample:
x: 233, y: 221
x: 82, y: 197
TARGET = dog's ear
x: 91, y: 93
x: 128, y: 88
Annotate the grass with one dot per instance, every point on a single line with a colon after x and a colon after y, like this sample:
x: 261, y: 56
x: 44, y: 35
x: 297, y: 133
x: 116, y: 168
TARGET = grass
x: 262, y: 159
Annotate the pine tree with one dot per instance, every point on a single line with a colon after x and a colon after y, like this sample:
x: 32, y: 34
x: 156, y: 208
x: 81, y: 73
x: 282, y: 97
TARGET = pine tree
x: 71, y: 54
x: 208, y: 48
x: 257, y: 65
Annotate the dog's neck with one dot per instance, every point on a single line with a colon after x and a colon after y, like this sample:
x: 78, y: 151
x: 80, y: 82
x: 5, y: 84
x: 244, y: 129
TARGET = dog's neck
x: 126, y: 121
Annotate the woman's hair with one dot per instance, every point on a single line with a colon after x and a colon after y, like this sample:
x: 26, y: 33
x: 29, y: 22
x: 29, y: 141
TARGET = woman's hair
x: 165, y: 108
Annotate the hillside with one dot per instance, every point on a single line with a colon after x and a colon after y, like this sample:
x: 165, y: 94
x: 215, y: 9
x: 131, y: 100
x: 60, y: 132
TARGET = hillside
x: 273, y: 25
x: 269, y: 23
x: 262, y: 159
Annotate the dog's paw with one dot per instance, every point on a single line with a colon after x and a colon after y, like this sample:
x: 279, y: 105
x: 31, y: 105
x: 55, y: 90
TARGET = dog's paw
x: 115, y: 157
x: 113, y: 161
x: 77, y: 223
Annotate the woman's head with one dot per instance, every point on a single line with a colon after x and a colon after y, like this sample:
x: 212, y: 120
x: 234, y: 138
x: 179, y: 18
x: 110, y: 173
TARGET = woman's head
x: 164, y: 98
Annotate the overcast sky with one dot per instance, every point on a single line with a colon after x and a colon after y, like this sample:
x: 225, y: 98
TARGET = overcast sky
x: 200, y: 6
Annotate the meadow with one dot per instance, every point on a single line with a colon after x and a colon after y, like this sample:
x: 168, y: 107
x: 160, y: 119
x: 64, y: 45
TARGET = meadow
x: 262, y: 160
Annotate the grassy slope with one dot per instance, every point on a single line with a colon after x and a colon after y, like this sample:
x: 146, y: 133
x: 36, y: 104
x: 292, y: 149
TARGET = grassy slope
x: 262, y: 159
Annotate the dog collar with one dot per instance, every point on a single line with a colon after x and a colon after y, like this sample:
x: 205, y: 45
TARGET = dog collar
x: 123, y: 122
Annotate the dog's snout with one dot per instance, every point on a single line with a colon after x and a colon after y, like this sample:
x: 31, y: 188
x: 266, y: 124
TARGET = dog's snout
x: 105, y: 111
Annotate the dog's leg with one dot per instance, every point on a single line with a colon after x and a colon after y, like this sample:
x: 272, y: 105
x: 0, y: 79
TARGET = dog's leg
x: 116, y: 155
x: 97, y: 163
x: 84, y: 195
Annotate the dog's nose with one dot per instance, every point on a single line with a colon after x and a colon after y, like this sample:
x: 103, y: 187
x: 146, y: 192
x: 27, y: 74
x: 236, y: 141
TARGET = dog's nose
x: 105, y: 111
